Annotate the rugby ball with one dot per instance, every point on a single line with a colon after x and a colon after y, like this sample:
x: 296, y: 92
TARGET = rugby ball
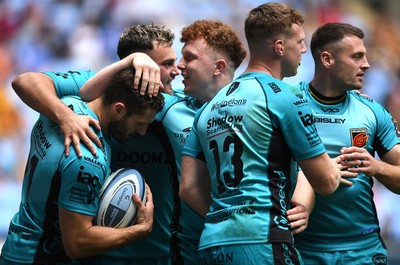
x: 116, y: 207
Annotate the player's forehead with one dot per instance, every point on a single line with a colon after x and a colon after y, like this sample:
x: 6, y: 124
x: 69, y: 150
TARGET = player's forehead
x: 297, y: 32
x: 162, y: 52
x: 197, y: 47
x: 353, y: 44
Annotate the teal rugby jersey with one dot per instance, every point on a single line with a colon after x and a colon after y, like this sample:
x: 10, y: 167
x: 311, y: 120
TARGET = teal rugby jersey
x: 347, y: 219
x: 53, y: 180
x: 249, y: 134
x: 157, y: 156
x: 69, y: 83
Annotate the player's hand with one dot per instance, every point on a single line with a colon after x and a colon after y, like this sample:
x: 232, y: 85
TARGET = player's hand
x: 344, y: 172
x: 76, y: 129
x: 148, y: 72
x: 298, y: 217
x: 144, y: 218
x: 358, y: 160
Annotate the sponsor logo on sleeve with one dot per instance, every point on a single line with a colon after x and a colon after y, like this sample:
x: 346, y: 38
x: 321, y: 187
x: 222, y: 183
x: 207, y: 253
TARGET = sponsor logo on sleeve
x: 274, y: 87
x: 396, y: 127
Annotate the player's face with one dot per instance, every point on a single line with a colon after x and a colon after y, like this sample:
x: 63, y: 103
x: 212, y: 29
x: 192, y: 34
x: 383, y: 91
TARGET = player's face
x: 350, y: 63
x: 197, y: 67
x: 294, y: 47
x: 132, y: 125
x: 165, y: 56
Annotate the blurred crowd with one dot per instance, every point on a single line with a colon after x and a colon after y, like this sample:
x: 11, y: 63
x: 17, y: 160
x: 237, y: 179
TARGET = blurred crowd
x: 61, y: 35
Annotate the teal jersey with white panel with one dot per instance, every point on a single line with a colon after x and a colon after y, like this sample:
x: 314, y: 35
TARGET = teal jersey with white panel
x: 250, y: 135
x: 54, y: 181
x: 347, y: 219
x: 157, y: 156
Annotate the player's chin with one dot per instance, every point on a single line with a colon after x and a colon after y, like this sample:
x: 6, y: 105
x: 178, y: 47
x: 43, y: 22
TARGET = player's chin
x: 358, y: 86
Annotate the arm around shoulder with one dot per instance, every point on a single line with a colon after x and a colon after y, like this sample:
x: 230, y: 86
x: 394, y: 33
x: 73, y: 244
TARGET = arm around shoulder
x: 38, y: 92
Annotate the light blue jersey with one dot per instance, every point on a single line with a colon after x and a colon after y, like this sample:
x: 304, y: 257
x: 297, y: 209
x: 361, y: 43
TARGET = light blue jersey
x: 175, y: 122
x: 157, y: 156
x: 347, y: 219
x: 250, y: 133
x: 51, y: 181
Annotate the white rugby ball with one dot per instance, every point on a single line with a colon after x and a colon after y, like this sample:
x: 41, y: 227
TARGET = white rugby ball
x: 116, y: 207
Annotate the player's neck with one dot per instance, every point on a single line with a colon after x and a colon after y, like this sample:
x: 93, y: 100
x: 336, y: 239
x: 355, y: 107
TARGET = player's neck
x: 259, y: 66
x: 101, y: 113
x: 324, y: 96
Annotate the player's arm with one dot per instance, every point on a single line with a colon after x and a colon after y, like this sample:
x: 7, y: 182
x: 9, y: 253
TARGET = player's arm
x: 82, y: 239
x: 386, y: 170
x: 147, y: 71
x: 37, y: 90
x: 304, y: 197
x: 302, y: 204
x: 194, y: 187
x: 321, y: 173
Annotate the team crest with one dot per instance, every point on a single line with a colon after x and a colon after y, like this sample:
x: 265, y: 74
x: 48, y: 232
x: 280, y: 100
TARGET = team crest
x: 232, y: 88
x: 359, y: 137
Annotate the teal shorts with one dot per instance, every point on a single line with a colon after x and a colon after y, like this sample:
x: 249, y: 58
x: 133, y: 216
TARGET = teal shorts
x: 375, y: 255
x: 251, y: 254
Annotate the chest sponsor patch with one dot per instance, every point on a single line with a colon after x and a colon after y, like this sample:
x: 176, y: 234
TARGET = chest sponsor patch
x: 359, y: 137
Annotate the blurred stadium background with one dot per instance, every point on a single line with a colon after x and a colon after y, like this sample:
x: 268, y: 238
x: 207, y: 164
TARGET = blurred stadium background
x: 61, y: 35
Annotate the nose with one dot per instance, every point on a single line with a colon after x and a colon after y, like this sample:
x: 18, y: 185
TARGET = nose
x: 175, y: 71
x: 365, y: 65
x: 181, y: 64
x: 303, y: 48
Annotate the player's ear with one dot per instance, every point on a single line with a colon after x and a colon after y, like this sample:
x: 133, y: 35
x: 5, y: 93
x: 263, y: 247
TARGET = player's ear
x: 279, y: 47
x: 220, y: 66
x: 119, y: 109
x: 327, y: 59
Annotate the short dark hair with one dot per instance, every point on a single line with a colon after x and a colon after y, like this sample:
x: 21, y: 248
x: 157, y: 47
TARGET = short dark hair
x: 329, y: 34
x: 270, y: 20
x: 140, y: 38
x: 121, y: 90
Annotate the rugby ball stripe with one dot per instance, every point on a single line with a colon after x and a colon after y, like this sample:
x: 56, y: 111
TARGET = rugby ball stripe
x: 116, y: 208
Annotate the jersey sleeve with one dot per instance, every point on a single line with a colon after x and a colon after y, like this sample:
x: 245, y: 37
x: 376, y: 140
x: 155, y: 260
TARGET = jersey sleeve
x: 292, y: 113
x: 169, y: 101
x: 81, y: 180
x: 387, y: 131
x: 69, y: 83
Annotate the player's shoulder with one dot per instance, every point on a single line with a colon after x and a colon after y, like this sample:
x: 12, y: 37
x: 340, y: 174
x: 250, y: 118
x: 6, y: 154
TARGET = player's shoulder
x: 365, y: 100
x: 68, y: 75
x: 77, y: 105
x: 97, y: 164
x: 177, y: 103
x: 276, y: 87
